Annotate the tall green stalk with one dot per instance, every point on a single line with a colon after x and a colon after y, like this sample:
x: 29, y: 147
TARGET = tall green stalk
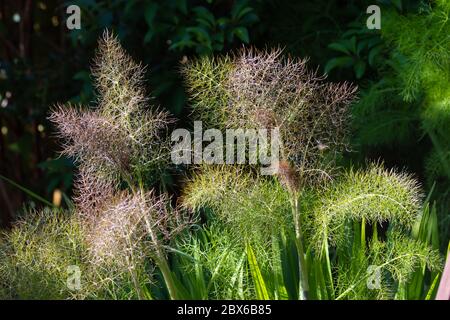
x: 303, y: 288
x: 160, y: 258
x: 163, y: 265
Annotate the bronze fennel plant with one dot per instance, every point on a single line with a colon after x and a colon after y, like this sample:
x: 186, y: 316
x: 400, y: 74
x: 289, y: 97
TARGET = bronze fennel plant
x: 259, y: 89
x: 120, y: 146
x: 256, y: 89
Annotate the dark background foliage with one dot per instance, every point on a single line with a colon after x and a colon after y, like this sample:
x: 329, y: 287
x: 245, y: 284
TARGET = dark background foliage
x: 42, y: 63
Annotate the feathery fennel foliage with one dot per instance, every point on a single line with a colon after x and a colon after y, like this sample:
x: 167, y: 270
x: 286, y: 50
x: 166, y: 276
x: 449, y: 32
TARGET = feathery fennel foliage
x: 253, y: 206
x: 411, y: 99
x: 216, y: 255
x: 264, y: 91
x: 121, y: 138
x: 303, y: 233
x: 206, y: 80
x: 374, y: 195
x: 417, y: 71
x: 394, y: 260
x: 257, y: 89
x: 121, y: 148
x: 36, y: 253
x: 35, y: 256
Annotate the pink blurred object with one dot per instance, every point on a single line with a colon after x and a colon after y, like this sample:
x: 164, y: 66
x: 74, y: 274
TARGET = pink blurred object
x: 444, y: 287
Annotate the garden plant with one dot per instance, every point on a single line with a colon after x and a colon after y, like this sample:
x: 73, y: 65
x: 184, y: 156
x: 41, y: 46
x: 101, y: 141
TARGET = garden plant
x: 262, y: 150
x: 314, y: 230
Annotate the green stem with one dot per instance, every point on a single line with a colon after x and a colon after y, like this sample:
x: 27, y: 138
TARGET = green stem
x: 160, y: 257
x: 136, y: 283
x: 167, y: 275
x: 303, y: 268
x: 161, y: 261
